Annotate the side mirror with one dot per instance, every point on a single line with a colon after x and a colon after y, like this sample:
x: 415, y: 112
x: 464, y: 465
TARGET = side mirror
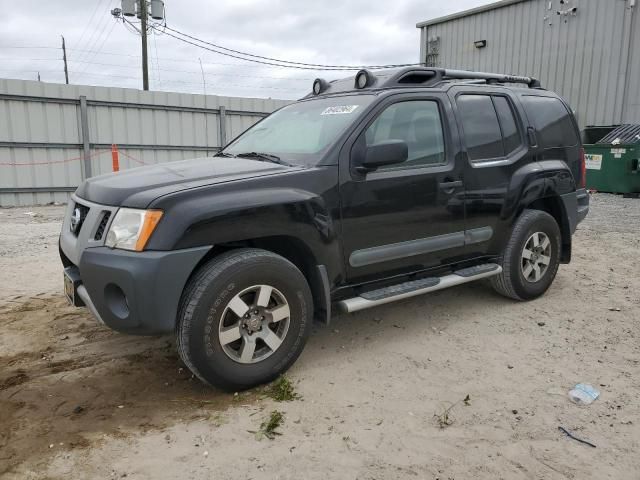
x: 389, y: 152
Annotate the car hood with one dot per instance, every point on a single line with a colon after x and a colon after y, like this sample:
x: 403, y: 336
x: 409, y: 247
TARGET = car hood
x: 138, y: 187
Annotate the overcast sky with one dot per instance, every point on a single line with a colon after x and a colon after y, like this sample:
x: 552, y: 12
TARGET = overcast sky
x: 102, y: 51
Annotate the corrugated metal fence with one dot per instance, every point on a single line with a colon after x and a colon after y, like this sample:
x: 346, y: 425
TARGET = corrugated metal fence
x: 53, y: 136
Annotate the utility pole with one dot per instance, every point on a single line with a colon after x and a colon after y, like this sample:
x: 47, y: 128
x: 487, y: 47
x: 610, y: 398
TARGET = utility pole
x: 131, y: 8
x: 64, y: 58
x: 143, y: 28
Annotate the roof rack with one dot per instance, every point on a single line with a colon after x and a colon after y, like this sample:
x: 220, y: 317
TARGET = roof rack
x: 432, y: 76
x: 413, y: 76
x: 493, y: 77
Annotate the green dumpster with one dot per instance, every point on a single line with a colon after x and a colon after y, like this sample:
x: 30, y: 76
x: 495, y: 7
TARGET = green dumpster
x: 611, y: 158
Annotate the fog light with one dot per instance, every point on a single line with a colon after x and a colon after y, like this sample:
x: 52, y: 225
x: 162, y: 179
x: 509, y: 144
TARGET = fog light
x: 116, y: 301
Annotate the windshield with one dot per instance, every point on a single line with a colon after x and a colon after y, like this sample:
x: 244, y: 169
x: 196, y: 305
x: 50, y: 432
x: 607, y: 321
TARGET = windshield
x: 302, y: 132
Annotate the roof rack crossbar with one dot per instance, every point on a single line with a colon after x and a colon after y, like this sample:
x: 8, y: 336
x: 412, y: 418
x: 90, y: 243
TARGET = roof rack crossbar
x: 497, y: 77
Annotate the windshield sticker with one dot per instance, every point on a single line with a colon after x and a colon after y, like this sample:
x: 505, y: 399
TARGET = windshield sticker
x: 339, y: 110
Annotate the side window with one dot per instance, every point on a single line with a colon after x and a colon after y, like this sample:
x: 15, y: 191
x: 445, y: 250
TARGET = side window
x: 510, y: 133
x: 418, y: 123
x: 482, y: 134
x: 552, y: 121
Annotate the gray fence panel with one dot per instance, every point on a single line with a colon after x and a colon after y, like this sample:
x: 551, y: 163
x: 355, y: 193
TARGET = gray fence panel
x: 41, y: 144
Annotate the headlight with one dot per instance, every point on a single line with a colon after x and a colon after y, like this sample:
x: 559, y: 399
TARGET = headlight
x: 131, y: 228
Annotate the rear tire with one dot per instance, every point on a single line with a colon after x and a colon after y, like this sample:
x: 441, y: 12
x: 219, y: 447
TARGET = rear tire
x: 244, y: 318
x: 531, y: 257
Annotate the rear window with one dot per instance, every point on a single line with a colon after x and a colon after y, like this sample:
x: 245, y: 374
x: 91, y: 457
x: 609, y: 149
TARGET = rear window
x: 552, y: 121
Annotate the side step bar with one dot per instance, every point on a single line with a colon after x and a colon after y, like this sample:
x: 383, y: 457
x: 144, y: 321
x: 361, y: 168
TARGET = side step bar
x: 418, y: 287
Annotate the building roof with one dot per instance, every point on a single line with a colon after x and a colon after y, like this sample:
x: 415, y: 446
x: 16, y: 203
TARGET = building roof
x: 472, y: 11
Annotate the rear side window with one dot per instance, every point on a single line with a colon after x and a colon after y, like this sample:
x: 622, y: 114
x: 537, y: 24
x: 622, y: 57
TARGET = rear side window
x: 552, y: 121
x: 482, y: 134
x: 510, y: 133
x: 489, y: 125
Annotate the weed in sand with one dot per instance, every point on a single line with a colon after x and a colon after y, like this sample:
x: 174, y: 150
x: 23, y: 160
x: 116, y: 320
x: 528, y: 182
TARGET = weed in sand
x: 282, y: 390
x: 269, y: 427
x: 444, y: 418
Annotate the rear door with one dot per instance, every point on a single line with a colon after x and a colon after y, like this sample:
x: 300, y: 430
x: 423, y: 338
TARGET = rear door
x: 493, y: 139
x: 406, y: 217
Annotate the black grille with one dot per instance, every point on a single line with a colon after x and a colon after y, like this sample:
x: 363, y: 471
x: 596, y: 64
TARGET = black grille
x: 103, y: 225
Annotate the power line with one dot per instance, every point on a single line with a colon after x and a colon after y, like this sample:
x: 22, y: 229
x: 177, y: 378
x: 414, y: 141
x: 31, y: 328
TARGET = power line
x: 208, y: 74
x: 193, y: 83
x: 155, y: 48
x: 22, y: 59
x: 113, y: 26
x: 290, y: 62
x: 176, y: 84
x: 194, y: 72
x: 188, y: 72
x: 251, y: 60
x: 33, y: 71
x: 28, y: 47
x: 94, y: 30
x: 93, y: 42
x: 299, y: 67
x: 167, y: 59
x: 91, y: 57
x: 95, y: 10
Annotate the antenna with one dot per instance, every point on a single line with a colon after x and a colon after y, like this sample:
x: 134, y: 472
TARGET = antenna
x: 204, y: 83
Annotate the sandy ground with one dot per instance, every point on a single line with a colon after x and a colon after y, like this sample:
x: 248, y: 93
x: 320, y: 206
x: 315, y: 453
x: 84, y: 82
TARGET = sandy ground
x: 79, y: 401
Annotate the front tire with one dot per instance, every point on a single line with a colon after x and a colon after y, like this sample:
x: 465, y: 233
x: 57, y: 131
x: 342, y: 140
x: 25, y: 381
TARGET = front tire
x: 244, y: 318
x: 531, y: 257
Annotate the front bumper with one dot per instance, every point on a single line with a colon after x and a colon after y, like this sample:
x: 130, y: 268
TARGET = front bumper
x: 135, y: 292
x: 132, y: 292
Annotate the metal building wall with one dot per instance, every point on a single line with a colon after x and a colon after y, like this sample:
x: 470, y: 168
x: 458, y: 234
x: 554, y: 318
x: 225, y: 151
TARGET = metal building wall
x: 583, y: 57
x: 632, y: 95
x: 43, y: 156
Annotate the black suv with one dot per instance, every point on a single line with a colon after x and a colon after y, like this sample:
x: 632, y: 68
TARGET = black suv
x: 369, y: 190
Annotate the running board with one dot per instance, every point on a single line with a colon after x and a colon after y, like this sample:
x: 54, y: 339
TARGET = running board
x: 418, y: 287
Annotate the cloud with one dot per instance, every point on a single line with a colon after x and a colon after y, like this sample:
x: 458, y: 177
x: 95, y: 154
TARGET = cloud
x: 104, y: 52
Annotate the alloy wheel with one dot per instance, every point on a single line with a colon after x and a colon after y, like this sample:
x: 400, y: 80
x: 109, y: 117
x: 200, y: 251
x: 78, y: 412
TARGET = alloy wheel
x: 254, y: 324
x: 536, y: 257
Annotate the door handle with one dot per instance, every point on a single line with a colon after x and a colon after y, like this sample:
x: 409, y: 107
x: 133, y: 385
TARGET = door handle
x: 450, y: 185
x: 533, y: 140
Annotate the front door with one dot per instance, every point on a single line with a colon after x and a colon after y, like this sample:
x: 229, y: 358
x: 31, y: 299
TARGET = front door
x: 405, y: 217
